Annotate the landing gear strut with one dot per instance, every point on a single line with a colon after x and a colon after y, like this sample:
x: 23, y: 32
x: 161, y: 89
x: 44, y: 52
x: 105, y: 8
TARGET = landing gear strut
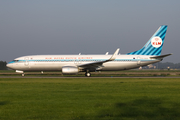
x: 88, y: 74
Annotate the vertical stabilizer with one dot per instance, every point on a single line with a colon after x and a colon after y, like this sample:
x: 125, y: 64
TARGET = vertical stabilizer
x: 155, y: 43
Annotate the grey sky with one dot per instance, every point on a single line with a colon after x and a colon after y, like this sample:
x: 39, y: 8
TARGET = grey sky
x: 85, y: 26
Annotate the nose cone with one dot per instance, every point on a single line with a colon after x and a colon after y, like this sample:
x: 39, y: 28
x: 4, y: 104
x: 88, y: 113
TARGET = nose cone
x: 9, y: 65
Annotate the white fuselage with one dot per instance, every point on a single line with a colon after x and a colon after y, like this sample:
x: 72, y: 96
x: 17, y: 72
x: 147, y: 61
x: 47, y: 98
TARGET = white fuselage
x: 56, y: 62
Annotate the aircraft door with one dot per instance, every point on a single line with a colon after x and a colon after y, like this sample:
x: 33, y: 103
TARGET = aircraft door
x: 26, y: 61
x: 139, y: 60
x: 77, y: 61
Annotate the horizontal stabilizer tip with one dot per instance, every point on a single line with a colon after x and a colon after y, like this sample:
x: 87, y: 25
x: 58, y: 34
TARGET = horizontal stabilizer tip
x: 161, y: 56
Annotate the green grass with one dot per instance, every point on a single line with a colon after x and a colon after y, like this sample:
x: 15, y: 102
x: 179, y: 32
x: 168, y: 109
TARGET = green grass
x: 7, y: 71
x: 89, y: 98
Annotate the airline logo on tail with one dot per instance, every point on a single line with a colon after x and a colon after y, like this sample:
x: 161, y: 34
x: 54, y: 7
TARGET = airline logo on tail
x: 156, y: 42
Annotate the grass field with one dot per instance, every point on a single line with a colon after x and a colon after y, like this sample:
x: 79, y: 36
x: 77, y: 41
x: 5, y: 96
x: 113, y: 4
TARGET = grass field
x: 90, y: 98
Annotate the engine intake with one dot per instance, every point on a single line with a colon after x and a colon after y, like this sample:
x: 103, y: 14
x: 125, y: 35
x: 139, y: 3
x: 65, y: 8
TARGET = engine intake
x: 69, y: 70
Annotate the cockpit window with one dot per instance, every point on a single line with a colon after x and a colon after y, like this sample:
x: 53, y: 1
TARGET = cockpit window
x: 15, y: 60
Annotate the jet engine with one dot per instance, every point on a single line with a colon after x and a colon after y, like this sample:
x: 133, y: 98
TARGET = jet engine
x: 70, y: 70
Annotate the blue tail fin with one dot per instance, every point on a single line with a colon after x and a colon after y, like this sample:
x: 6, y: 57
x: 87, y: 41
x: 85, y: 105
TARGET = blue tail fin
x: 155, y: 43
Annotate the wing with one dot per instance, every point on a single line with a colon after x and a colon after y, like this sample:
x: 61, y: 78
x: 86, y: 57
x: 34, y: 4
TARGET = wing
x: 95, y: 65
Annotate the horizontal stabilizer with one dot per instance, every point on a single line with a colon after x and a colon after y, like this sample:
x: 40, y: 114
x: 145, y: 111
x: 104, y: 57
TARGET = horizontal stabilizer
x: 161, y: 56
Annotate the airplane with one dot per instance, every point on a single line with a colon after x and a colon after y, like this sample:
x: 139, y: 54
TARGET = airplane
x: 73, y: 64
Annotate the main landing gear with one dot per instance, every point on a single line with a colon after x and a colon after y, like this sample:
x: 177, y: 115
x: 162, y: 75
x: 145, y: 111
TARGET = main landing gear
x: 88, y: 74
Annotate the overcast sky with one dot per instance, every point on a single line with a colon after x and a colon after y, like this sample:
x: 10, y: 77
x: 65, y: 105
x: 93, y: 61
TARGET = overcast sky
x: 34, y: 27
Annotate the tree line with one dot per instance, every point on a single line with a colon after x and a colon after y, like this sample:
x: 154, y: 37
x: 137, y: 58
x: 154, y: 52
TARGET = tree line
x: 3, y: 65
x: 160, y: 65
x: 167, y: 65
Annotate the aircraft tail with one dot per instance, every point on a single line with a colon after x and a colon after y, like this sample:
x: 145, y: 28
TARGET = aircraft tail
x: 154, y: 45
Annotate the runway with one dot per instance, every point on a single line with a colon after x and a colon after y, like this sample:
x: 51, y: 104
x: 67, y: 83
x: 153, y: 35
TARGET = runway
x: 86, y: 77
x: 122, y: 74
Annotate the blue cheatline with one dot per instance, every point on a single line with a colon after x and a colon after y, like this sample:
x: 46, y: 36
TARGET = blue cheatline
x: 151, y: 47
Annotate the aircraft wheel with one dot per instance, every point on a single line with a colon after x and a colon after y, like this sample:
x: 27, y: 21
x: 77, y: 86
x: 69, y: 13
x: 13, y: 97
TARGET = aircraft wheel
x: 88, y: 74
x: 22, y: 75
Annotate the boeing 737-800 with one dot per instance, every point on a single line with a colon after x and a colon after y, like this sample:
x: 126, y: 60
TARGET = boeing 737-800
x: 72, y: 64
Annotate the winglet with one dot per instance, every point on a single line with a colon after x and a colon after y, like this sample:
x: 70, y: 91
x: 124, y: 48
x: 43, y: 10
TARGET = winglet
x: 113, y: 57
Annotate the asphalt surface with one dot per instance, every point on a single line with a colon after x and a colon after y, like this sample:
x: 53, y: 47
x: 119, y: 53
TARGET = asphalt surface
x: 81, y: 77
